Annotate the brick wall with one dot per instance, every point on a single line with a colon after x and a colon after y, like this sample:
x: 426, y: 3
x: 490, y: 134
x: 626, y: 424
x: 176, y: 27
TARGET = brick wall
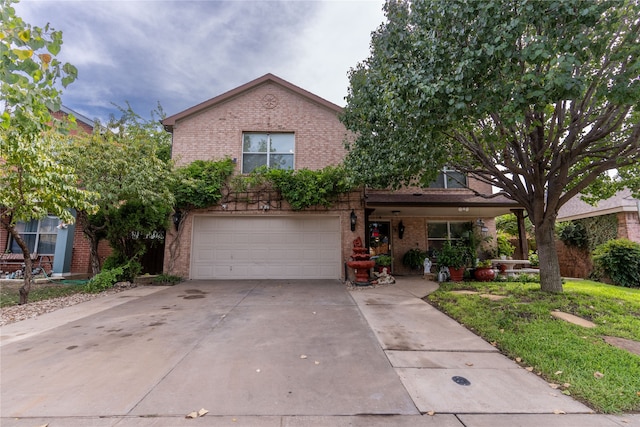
x: 629, y: 226
x: 81, y: 126
x: 81, y: 256
x: 415, y: 236
x: 574, y: 262
x: 217, y: 132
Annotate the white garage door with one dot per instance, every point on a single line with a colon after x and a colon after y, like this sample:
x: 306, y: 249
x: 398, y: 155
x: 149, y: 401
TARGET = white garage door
x: 266, y: 248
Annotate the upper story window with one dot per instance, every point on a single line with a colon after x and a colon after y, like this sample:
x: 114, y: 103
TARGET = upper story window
x: 449, y: 178
x: 273, y: 150
x: 40, y: 236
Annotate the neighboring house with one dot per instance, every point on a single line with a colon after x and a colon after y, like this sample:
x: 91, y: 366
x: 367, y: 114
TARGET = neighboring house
x: 61, y: 249
x: 270, y: 121
x: 623, y: 205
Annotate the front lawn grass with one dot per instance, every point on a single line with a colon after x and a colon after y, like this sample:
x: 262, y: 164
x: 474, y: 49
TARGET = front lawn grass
x: 10, y: 295
x: 573, y: 358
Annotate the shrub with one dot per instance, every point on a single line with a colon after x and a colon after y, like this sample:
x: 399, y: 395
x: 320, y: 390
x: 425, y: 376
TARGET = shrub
x: 414, y: 258
x: 452, y: 255
x: 103, y: 280
x: 384, y: 260
x: 618, y: 259
x: 573, y: 234
x: 504, y: 245
x: 130, y: 269
x: 167, y: 279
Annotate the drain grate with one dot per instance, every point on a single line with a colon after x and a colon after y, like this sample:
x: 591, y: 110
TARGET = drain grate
x: 461, y: 380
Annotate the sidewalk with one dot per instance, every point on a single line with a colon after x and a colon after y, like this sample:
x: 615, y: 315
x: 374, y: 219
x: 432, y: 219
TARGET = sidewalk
x: 429, y: 350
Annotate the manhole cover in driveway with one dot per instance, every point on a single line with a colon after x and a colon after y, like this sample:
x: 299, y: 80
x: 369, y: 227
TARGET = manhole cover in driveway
x: 460, y: 380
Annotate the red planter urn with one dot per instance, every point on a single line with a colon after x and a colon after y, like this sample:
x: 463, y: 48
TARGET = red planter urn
x: 484, y: 274
x: 456, y: 274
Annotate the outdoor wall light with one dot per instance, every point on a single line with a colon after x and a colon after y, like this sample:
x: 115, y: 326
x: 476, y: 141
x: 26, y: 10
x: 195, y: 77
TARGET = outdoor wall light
x: 354, y: 218
x: 400, y: 230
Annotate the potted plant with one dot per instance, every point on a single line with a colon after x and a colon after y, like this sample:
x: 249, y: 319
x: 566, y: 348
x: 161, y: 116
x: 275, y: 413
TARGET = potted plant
x: 505, y: 248
x: 453, y: 256
x: 484, y: 272
x: 414, y: 258
x: 384, y: 261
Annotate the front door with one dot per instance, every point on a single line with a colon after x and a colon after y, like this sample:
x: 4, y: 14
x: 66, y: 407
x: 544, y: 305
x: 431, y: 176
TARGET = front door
x: 380, y: 239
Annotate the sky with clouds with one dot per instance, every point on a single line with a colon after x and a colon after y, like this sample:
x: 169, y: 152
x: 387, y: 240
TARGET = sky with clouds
x: 181, y: 53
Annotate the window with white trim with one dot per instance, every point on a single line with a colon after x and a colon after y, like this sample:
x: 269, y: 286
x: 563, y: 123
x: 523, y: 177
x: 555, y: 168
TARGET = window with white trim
x: 440, y: 232
x: 449, y: 178
x: 40, y: 235
x: 273, y: 150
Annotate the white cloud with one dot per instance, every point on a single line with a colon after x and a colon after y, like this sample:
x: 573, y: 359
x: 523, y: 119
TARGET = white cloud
x: 333, y: 43
x: 181, y: 53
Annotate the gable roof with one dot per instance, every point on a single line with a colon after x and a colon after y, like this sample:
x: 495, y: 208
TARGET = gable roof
x: 170, y: 121
x: 575, y: 208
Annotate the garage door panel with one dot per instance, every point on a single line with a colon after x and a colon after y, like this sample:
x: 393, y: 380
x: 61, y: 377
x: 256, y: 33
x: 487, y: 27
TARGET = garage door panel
x: 266, y: 247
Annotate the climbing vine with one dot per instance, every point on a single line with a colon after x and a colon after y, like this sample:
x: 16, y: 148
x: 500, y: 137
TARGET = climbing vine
x: 199, y: 184
x: 302, y: 188
x: 305, y: 188
x: 589, y: 232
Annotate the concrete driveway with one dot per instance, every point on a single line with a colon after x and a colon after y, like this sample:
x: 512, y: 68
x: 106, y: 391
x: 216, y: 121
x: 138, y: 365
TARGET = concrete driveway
x: 235, y: 348
x: 269, y: 354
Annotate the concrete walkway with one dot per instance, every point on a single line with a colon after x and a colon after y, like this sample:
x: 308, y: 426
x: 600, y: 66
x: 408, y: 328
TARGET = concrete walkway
x: 268, y: 353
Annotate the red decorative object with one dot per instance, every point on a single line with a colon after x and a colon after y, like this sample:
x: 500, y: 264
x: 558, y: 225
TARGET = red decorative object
x: 361, y: 263
x: 484, y: 274
x: 456, y: 274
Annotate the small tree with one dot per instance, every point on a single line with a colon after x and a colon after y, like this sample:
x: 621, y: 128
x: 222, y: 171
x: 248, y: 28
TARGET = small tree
x: 33, y: 181
x: 123, y: 161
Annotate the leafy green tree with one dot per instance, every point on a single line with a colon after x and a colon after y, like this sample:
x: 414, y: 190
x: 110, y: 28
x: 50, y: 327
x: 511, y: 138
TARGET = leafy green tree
x: 508, y: 224
x: 539, y: 99
x: 33, y: 182
x: 122, y: 162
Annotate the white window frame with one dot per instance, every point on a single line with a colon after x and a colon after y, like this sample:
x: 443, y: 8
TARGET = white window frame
x: 13, y: 245
x: 268, y: 153
x: 445, y: 179
x: 447, y: 237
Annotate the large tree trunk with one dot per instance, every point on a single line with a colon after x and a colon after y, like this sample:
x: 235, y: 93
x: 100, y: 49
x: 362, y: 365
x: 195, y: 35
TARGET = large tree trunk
x: 174, y: 244
x: 550, y: 278
x: 94, y: 258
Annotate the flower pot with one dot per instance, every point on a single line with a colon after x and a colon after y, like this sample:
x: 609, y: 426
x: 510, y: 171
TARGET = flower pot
x: 484, y: 274
x: 456, y: 274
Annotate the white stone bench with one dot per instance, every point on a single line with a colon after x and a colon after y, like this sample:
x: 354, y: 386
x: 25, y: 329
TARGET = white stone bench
x: 521, y: 270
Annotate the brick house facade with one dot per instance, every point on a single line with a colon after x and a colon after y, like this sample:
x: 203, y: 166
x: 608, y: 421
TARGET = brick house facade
x: 623, y: 205
x: 575, y: 262
x: 260, y: 237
